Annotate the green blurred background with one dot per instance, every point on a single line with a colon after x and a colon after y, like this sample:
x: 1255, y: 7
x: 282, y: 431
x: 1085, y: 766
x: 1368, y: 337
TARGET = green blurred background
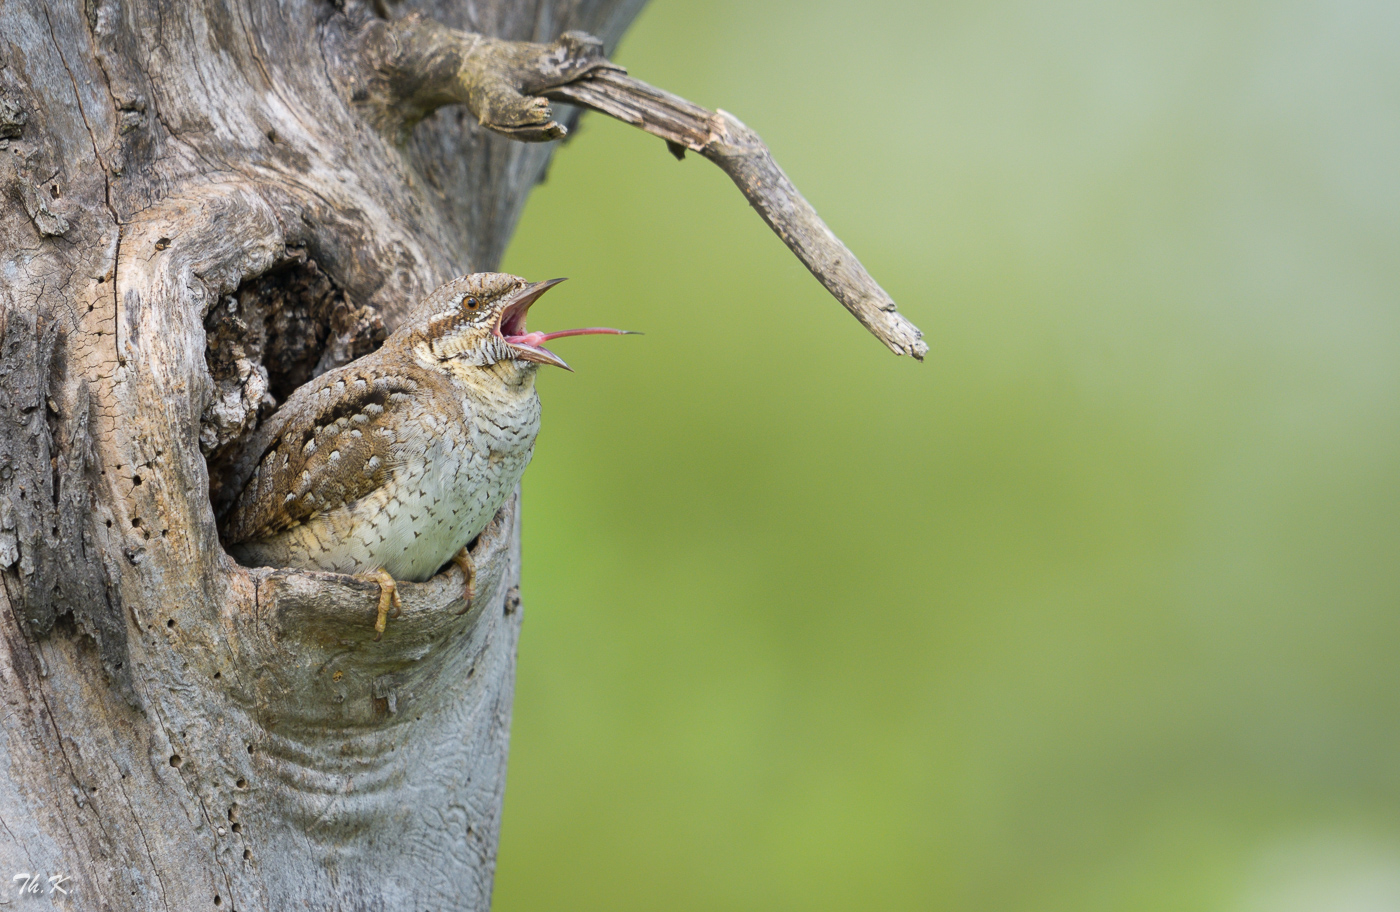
x: 1096, y: 608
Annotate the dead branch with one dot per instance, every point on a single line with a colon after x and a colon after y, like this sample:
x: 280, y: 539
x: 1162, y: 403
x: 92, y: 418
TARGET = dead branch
x: 740, y: 153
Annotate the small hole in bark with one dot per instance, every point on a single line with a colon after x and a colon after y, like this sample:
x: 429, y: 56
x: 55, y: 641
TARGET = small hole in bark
x: 218, y: 675
x: 53, y: 191
x: 247, y: 854
x: 136, y: 523
x: 177, y: 761
x: 241, y: 782
x: 250, y: 748
x: 237, y: 827
x: 163, y: 243
x: 135, y: 480
x: 170, y: 623
x: 272, y: 136
x: 218, y: 900
x: 109, y: 524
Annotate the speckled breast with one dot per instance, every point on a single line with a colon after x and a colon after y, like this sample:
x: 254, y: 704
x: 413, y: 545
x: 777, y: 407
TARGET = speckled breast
x: 451, y: 474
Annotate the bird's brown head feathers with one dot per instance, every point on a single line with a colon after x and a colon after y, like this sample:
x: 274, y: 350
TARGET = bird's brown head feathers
x: 479, y: 320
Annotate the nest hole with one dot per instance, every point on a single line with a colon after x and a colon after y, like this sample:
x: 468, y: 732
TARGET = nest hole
x: 273, y: 334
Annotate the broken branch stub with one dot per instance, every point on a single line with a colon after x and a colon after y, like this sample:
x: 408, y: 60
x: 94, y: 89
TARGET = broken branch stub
x: 411, y: 66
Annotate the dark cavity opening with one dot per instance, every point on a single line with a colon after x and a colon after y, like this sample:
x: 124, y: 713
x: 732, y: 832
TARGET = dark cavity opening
x: 273, y: 334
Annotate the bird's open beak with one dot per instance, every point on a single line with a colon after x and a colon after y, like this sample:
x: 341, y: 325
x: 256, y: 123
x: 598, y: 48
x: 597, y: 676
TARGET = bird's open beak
x: 529, y: 346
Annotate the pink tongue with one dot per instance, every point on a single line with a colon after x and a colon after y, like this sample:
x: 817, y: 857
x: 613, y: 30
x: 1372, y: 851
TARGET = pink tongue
x: 536, y: 339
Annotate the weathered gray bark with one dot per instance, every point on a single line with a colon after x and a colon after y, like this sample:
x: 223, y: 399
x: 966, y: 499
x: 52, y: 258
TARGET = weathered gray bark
x: 180, y: 732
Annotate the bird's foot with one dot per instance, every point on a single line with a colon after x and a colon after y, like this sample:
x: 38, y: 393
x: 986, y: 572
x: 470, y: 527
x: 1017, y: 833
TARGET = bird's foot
x: 388, y: 598
x: 463, y: 559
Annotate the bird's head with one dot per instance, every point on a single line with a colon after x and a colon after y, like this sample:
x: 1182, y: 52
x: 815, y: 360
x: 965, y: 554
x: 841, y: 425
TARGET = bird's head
x: 478, y: 320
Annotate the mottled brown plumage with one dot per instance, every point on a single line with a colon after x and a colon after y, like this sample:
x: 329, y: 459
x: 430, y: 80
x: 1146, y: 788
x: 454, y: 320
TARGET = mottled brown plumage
x: 389, y: 466
x: 348, y: 412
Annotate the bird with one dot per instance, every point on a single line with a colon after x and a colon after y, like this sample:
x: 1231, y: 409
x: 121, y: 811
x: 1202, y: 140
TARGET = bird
x: 386, y: 468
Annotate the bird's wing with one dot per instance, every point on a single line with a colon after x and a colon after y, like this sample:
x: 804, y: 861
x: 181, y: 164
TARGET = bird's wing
x: 328, y: 445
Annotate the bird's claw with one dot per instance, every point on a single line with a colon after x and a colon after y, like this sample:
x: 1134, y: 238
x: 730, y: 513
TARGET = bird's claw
x: 389, y: 600
x: 463, y: 560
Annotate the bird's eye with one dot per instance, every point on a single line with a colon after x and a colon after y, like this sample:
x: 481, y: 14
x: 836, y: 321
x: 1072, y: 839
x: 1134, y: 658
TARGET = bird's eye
x: 472, y: 303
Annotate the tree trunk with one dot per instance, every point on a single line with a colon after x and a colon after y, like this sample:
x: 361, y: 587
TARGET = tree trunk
x: 205, y: 204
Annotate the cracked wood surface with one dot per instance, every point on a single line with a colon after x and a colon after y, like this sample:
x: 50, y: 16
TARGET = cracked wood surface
x: 179, y: 732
